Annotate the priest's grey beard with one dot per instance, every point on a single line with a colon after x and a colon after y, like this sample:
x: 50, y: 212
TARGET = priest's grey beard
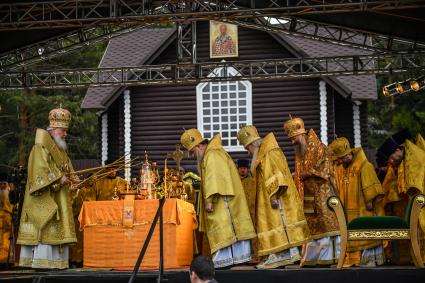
x: 254, y: 158
x: 60, y: 142
x: 198, y: 163
x: 301, y: 148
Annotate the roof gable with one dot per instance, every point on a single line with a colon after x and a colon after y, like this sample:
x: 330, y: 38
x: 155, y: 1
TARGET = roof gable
x: 136, y: 48
x: 131, y: 50
x: 360, y: 87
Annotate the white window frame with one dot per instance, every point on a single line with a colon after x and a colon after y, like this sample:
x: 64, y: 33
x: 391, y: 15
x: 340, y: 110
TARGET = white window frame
x: 231, y: 72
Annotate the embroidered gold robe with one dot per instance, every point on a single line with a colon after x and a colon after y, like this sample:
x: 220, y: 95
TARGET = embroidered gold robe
x: 104, y: 189
x: 250, y: 194
x: 420, y: 142
x: 230, y: 221
x: 317, y: 187
x: 403, y: 182
x: 358, y: 185
x: 46, y: 212
x: 5, y: 226
x: 248, y: 184
x: 78, y: 197
x: 277, y: 230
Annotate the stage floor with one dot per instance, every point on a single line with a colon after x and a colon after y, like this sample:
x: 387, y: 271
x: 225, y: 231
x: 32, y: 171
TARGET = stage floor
x: 241, y: 274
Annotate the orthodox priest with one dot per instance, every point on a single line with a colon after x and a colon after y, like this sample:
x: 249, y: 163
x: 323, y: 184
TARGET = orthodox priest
x: 405, y: 177
x: 361, y: 193
x: 107, y: 187
x: 47, y: 224
x: 280, y: 221
x: 250, y: 194
x: 315, y: 180
x: 5, y: 221
x: 248, y: 185
x: 224, y: 210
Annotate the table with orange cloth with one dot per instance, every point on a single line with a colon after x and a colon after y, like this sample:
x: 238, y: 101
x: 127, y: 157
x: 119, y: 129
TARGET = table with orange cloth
x: 110, y: 244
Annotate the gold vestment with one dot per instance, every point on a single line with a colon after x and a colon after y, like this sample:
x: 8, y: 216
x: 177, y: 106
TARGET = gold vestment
x: 403, y: 182
x: 230, y: 221
x: 248, y: 184
x: 5, y: 226
x: 104, y: 189
x: 277, y: 229
x: 250, y: 194
x: 46, y: 212
x: 317, y: 187
x: 358, y: 185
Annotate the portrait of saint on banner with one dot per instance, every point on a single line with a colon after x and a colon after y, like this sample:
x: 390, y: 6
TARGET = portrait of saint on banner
x: 223, y: 40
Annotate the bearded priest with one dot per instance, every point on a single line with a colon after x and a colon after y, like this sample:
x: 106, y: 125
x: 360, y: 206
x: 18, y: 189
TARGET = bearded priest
x: 47, y: 224
x: 279, y: 217
x: 224, y: 213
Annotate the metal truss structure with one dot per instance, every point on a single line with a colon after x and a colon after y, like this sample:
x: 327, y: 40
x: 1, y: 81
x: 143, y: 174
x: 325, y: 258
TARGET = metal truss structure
x: 186, y: 43
x: 77, y: 13
x: 348, y: 37
x: 213, y: 71
x: 62, y: 44
x: 135, y: 11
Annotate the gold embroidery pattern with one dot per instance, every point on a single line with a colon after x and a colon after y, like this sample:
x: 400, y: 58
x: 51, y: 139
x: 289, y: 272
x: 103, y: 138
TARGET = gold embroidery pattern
x: 378, y: 234
x: 316, y: 188
x: 50, y: 176
x: 39, y: 181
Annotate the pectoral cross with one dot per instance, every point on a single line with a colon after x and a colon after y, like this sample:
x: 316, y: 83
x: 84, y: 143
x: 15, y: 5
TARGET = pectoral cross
x: 177, y: 155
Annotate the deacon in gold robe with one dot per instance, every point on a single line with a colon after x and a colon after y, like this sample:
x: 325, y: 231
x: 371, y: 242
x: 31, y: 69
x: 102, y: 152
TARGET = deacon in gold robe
x: 224, y: 213
x: 5, y: 222
x: 250, y: 194
x: 361, y: 193
x: 405, y: 177
x: 108, y: 187
x: 47, y: 223
x: 280, y: 221
x: 248, y: 185
x: 315, y: 181
x: 78, y: 197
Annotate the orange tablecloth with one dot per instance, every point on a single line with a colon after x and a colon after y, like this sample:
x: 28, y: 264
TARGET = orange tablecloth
x: 108, y: 244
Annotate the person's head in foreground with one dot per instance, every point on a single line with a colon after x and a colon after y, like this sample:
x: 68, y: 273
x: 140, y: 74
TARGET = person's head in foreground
x: 202, y: 270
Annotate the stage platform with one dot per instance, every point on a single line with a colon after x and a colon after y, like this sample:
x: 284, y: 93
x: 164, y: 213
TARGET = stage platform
x: 240, y: 275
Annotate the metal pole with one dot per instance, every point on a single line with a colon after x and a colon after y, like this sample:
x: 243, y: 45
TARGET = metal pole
x: 146, y: 243
x: 161, y: 247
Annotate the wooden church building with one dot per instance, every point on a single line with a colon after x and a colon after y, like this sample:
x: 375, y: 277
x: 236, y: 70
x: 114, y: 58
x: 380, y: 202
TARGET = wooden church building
x: 152, y: 118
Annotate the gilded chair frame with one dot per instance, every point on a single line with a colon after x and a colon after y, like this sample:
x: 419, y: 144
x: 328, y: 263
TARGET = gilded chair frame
x: 418, y: 202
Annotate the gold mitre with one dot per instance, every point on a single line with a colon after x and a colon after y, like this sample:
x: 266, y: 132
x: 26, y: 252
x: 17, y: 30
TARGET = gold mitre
x: 59, y: 118
x: 340, y: 147
x: 294, y: 127
x: 248, y: 135
x: 191, y: 138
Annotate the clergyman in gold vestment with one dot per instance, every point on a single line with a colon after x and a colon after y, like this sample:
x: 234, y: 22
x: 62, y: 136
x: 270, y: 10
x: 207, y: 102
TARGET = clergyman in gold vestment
x: 315, y: 181
x: 95, y: 190
x: 47, y: 224
x: 104, y: 188
x: 280, y: 221
x: 248, y: 184
x: 405, y: 177
x: 361, y: 193
x: 224, y: 213
x: 5, y: 222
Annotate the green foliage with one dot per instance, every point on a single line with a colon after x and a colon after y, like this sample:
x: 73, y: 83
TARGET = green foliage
x: 387, y: 115
x: 82, y: 135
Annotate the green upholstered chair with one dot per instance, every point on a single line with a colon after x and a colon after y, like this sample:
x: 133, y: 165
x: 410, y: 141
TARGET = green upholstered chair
x: 380, y: 227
